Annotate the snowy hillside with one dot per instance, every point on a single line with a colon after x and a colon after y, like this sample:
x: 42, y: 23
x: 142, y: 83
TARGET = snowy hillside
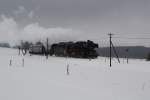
x: 47, y: 79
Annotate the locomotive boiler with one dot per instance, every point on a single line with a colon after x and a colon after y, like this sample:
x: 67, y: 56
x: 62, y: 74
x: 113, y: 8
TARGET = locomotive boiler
x: 80, y: 49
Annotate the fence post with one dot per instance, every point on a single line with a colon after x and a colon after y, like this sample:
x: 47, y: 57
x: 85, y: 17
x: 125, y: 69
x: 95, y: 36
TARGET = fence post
x: 67, y: 69
x: 23, y: 62
x: 10, y: 62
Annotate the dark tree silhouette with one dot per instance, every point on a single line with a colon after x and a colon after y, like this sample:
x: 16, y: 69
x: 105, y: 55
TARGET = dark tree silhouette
x: 148, y: 57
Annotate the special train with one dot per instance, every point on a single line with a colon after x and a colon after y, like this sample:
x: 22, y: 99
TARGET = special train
x: 80, y: 49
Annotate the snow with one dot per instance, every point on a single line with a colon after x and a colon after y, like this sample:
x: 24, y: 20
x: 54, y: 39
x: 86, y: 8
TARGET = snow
x: 47, y: 79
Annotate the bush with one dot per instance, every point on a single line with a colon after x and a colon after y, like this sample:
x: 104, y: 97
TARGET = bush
x: 148, y: 57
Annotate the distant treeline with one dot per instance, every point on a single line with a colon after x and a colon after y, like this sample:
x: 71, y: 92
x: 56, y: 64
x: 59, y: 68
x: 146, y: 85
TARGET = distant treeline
x: 6, y: 45
x: 139, y: 52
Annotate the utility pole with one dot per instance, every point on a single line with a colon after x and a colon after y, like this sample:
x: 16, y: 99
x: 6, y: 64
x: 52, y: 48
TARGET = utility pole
x: 110, y: 36
x: 112, y: 47
x: 47, y: 48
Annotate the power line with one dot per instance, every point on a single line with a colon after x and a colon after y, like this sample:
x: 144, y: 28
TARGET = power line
x: 144, y: 38
x: 103, y: 38
x: 133, y: 33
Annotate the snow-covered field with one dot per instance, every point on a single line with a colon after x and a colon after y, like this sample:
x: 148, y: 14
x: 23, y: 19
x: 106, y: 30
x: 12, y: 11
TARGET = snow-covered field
x: 46, y: 79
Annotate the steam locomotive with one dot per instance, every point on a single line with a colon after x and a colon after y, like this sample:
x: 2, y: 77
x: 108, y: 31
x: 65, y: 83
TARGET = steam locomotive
x: 80, y: 49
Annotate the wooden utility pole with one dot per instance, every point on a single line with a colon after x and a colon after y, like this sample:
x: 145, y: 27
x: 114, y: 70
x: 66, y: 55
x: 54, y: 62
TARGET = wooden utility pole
x: 47, y: 48
x: 110, y: 36
x: 112, y: 46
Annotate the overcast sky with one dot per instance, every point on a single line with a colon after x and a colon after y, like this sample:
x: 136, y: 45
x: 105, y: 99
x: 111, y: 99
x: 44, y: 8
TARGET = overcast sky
x: 85, y: 18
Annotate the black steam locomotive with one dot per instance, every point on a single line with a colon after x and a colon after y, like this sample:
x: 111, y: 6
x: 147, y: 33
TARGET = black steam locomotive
x: 80, y: 49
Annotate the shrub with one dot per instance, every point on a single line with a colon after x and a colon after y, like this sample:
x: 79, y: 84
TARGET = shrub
x: 148, y: 57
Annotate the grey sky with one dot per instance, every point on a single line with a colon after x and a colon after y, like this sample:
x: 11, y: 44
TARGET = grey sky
x: 92, y: 17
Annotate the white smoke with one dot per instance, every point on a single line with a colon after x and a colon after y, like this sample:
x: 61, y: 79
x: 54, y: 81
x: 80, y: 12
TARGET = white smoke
x: 10, y: 31
x: 19, y: 11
